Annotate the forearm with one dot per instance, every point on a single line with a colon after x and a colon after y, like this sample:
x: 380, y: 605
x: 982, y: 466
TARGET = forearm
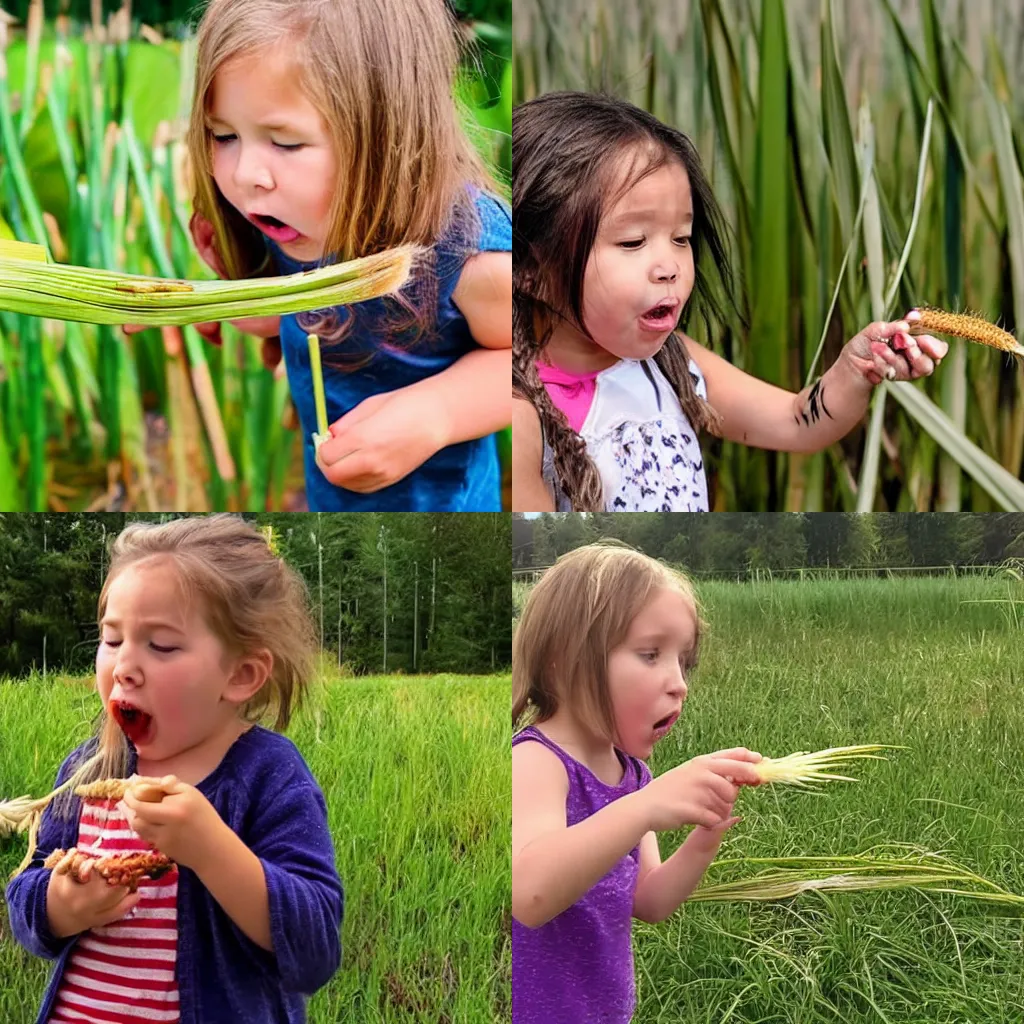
x: 473, y: 396
x: 553, y: 871
x: 234, y: 877
x: 829, y: 408
x: 664, y: 889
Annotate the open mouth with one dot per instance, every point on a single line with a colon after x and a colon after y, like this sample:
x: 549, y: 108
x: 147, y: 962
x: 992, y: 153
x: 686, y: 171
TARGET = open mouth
x: 274, y: 228
x: 662, y: 725
x: 661, y: 317
x: 134, y: 722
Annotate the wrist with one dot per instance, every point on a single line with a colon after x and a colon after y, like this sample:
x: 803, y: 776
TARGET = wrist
x: 845, y: 373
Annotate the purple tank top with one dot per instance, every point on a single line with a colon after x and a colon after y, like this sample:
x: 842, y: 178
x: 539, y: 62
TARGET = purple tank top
x: 578, y: 968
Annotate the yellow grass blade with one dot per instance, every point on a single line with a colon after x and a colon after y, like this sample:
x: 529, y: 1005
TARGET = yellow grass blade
x: 803, y: 769
x: 23, y: 251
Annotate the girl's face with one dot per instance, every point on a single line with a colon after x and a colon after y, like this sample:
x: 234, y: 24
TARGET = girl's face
x: 647, y: 672
x: 272, y: 157
x: 160, y: 672
x: 638, y: 277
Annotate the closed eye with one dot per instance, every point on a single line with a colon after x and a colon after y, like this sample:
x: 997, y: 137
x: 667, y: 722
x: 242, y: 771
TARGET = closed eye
x: 156, y: 647
x: 223, y: 140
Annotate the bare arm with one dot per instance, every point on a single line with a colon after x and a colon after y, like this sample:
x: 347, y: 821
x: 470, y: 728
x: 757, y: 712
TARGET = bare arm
x: 554, y: 866
x: 663, y: 887
x: 529, y: 492
x: 764, y: 416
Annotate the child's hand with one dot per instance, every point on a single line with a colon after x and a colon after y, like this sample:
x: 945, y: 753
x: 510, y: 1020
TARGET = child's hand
x: 383, y: 439
x: 701, y: 791
x: 76, y: 902
x: 184, y: 825
x: 908, y: 358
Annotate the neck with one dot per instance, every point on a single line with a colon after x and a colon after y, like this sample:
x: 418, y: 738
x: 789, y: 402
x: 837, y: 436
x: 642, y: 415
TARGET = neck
x: 195, y: 763
x: 572, y: 351
x: 593, y: 751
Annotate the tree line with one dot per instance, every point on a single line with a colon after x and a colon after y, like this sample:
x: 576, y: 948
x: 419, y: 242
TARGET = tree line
x: 390, y: 592
x: 729, y: 543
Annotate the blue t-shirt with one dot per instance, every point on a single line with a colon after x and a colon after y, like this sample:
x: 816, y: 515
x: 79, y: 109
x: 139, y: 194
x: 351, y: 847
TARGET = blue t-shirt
x: 464, y: 477
x: 265, y: 793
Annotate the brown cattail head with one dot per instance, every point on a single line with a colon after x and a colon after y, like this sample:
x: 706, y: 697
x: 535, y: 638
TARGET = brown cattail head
x: 964, y: 325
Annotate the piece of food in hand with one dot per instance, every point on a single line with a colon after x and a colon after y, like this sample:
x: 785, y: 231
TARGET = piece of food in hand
x: 143, y: 788
x: 117, y: 869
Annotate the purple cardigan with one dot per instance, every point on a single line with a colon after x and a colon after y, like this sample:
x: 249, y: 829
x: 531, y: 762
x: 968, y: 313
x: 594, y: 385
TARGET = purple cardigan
x: 265, y: 792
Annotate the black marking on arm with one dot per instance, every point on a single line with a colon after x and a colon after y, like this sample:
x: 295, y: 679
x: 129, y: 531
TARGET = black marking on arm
x: 815, y: 405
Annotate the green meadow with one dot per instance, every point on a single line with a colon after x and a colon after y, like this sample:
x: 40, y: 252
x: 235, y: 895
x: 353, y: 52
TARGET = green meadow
x: 933, y: 664
x: 416, y: 780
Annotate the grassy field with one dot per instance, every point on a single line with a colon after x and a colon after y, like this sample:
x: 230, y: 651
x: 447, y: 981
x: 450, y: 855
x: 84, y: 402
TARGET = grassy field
x: 418, y: 793
x: 934, y: 664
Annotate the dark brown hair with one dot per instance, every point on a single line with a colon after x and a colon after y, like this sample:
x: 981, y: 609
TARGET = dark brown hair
x: 565, y: 148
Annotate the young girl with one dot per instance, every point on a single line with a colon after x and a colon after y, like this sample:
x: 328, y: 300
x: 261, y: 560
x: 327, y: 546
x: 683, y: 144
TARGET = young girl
x: 203, y: 632
x: 601, y: 658
x: 615, y: 228
x: 323, y: 131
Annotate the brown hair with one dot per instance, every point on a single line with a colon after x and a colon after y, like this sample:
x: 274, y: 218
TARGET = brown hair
x: 567, y: 146
x: 381, y: 74
x: 580, y: 610
x: 251, y: 600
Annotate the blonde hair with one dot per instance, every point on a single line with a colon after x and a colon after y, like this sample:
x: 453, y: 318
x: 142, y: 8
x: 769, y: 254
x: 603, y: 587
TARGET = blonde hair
x: 381, y: 73
x: 251, y: 600
x: 580, y: 610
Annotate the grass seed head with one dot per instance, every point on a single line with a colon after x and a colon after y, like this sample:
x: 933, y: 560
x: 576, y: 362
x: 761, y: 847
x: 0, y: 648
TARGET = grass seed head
x: 966, y: 326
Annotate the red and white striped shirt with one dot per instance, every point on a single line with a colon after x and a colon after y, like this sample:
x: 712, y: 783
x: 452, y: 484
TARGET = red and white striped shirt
x: 122, y: 973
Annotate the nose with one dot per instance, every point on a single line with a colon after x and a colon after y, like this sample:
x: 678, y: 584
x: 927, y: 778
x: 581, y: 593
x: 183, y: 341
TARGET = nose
x: 126, y: 667
x: 664, y: 273
x: 677, y: 683
x: 250, y: 171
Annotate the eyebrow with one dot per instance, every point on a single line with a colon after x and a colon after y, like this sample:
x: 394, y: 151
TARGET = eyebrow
x: 156, y: 623
x: 648, y: 214
x: 272, y: 126
x: 657, y: 638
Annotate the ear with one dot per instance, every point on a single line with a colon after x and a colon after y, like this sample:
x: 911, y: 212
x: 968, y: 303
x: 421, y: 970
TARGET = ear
x: 249, y: 674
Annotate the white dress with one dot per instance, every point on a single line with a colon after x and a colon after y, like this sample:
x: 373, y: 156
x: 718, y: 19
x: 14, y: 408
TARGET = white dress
x: 641, y: 441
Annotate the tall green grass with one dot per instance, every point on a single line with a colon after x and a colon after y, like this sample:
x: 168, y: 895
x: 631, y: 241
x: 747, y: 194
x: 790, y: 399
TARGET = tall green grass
x: 418, y: 799
x: 814, y: 119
